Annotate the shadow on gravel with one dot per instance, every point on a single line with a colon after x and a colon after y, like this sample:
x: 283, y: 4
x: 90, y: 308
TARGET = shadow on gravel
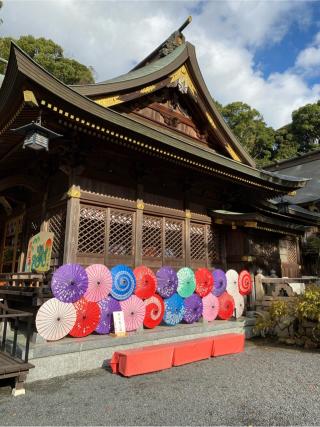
x: 272, y: 343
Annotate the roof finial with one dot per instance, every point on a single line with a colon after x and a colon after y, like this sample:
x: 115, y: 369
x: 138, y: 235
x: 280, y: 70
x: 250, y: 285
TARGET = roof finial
x: 168, y: 46
x: 185, y: 24
x: 175, y: 40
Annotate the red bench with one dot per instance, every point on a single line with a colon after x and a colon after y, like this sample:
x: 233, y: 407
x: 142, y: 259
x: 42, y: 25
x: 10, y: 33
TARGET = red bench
x: 164, y: 356
x: 227, y: 344
x: 142, y: 360
x: 192, y: 351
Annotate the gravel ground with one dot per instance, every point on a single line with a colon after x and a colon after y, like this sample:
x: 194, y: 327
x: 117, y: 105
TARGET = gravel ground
x: 266, y: 385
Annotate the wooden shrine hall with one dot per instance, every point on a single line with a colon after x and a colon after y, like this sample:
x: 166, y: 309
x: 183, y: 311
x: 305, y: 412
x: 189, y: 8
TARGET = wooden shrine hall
x: 139, y: 169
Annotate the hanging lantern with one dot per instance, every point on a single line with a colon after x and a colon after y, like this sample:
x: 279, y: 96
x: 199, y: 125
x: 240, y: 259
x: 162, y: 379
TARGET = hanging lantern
x: 36, y: 136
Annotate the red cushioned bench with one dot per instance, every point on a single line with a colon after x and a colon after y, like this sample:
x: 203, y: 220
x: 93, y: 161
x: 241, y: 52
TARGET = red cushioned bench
x: 142, y: 360
x: 227, y: 344
x: 192, y: 351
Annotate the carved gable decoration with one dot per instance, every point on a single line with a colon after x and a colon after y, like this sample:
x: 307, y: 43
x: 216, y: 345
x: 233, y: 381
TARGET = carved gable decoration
x: 170, y: 109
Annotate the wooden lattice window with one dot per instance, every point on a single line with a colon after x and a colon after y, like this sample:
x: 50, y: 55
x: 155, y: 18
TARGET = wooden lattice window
x: 292, y: 251
x: 197, y: 242
x: 213, y: 243
x: 173, y: 239
x: 12, y: 244
x: 152, y: 237
x: 120, y: 233
x: 91, y: 230
x: 57, y: 225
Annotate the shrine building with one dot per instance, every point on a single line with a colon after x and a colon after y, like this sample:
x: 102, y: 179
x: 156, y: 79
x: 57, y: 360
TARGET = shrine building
x: 139, y: 169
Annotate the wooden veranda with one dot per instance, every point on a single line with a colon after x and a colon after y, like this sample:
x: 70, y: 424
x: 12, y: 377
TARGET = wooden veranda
x: 13, y: 362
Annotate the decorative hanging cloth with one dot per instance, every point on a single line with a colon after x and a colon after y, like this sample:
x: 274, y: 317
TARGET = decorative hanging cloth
x: 204, y: 282
x: 186, y: 282
x: 219, y: 282
x: 210, y: 307
x: 107, y: 307
x: 146, y: 282
x: 123, y: 282
x: 245, y: 283
x: 55, y: 319
x: 192, y: 309
x: 173, y: 310
x: 69, y: 282
x: 238, y: 305
x: 88, y: 316
x: 99, y: 282
x: 232, y: 282
x: 167, y: 282
x: 226, y: 306
x: 154, y: 311
x: 134, y: 311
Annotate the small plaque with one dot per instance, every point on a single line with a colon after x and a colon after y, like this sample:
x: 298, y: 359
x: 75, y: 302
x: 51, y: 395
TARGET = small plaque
x: 119, y: 325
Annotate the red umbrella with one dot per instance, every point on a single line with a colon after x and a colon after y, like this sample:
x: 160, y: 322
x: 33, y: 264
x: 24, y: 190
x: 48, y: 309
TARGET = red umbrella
x: 154, y: 311
x: 88, y: 316
x: 245, y: 283
x: 146, y: 282
x: 204, y: 282
x: 226, y: 306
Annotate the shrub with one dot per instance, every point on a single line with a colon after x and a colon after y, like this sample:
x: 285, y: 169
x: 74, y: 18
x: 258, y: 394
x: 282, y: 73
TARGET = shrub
x: 293, y: 316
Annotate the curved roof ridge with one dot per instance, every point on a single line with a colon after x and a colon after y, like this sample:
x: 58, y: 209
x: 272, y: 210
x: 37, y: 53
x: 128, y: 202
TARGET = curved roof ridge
x: 148, y: 68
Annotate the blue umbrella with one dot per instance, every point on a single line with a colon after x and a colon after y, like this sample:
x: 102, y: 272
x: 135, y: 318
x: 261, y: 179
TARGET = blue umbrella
x: 174, y: 310
x: 123, y: 282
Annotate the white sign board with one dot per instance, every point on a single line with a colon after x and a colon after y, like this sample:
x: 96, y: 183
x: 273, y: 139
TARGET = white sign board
x: 119, y: 325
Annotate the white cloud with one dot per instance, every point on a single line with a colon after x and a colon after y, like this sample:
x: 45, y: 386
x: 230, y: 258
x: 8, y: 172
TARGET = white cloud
x: 309, y: 58
x: 113, y: 35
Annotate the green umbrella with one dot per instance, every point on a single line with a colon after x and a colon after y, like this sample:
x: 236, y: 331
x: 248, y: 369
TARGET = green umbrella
x: 186, y: 282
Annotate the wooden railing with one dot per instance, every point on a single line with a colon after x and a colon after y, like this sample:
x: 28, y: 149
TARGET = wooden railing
x: 14, y: 316
x: 270, y: 289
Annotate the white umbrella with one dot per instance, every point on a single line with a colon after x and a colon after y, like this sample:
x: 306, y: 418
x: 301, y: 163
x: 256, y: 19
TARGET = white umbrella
x: 55, y: 319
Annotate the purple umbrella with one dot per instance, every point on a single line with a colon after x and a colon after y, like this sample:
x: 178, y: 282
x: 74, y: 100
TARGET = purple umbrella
x: 107, y: 307
x: 219, y: 282
x: 69, y: 283
x: 192, y: 309
x: 167, y: 282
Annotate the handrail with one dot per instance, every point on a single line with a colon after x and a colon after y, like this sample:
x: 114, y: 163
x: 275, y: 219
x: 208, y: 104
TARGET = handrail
x: 9, y: 313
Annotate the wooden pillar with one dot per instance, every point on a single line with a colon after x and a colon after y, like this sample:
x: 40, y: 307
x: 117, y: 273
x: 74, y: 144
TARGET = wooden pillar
x: 223, y: 248
x: 72, y: 225
x: 44, y: 220
x: 187, y: 222
x: 187, y: 225
x: 139, y: 223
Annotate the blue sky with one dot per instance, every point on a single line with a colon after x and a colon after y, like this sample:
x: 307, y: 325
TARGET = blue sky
x: 281, y: 56
x: 264, y: 53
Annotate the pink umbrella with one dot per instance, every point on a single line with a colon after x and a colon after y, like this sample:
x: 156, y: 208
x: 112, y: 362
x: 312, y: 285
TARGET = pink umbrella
x: 134, y: 310
x: 99, y: 282
x: 210, y: 307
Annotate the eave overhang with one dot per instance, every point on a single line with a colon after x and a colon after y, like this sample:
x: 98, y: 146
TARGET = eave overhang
x: 256, y: 221
x: 81, y: 113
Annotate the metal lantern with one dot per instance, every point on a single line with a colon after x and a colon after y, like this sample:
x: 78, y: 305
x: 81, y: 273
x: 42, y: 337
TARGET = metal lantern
x: 36, y: 136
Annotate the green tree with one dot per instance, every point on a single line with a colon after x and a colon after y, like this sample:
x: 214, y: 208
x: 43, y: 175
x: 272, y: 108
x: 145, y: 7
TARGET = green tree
x: 305, y: 127
x: 249, y: 127
x: 286, y: 146
x: 51, y: 57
